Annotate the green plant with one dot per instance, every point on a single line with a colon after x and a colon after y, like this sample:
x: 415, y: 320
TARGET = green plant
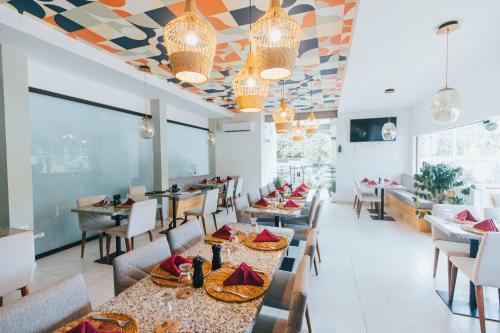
x: 277, y: 182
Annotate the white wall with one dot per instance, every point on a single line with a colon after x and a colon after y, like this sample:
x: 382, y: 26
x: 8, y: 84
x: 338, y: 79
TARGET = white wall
x: 269, y: 152
x: 370, y: 159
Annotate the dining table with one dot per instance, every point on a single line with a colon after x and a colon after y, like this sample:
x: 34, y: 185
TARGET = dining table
x: 461, y: 232
x: 200, y: 312
x: 381, y: 186
x: 272, y: 211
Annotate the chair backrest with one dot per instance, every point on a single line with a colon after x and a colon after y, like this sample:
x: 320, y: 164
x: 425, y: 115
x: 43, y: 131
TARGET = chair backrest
x: 230, y: 188
x: 241, y: 204
x: 486, y: 268
x: 317, y: 215
x: 253, y: 196
x: 84, y: 219
x: 312, y: 238
x: 142, y: 217
x: 312, y: 209
x: 239, y: 187
x: 300, y: 294
x: 17, y: 261
x: 263, y: 191
x: 138, y: 193
x: 210, y: 201
x: 47, y: 309
x: 492, y: 213
x: 184, y: 236
x: 271, y: 187
x: 133, y: 266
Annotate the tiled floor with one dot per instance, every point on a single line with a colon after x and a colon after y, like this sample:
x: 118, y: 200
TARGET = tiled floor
x: 376, y: 277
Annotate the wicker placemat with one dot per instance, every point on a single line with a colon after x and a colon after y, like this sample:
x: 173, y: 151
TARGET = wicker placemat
x: 281, y: 206
x: 266, y: 246
x: 104, y: 325
x: 211, y: 239
x: 295, y: 198
x: 171, y: 279
x: 261, y: 207
x: 219, y: 276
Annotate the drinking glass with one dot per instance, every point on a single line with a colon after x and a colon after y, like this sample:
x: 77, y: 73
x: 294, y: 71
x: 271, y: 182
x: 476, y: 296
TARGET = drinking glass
x: 185, y: 282
x: 233, y: 241
x: 165, y: 303
x: 254, y: 226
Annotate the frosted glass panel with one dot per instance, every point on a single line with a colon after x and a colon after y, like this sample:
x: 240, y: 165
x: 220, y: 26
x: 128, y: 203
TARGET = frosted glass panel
x: 187, y: 151
x: 79, y: 150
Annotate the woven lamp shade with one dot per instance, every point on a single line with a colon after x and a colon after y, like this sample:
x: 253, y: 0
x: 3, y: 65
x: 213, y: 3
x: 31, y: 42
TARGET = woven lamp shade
x: 311, y: 125
x: 249, y: 89
x: 190, y: 45
x: 297, y: 132
x: 282, y: 117
x: 275, y: 39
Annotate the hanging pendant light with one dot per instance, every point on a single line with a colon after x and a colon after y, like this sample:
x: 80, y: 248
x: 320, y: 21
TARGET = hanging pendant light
x: 190, y: 45
x: 275, y: 39
x: 298, y: 130
x: 389, y: 129
x: 283, y: 115
x: 146, y: 126
x: 211, y: 138
x: 447, y: 103
x: 250, y: 90
x: 311, y: 124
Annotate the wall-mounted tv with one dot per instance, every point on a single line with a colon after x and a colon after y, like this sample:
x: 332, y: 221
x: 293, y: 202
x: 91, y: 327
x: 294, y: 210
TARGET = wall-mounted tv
x: 369, y: 129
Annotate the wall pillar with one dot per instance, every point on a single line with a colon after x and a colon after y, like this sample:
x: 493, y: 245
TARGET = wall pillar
x: 160, y: 159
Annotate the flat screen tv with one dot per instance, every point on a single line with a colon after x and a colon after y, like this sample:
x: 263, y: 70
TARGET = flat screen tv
x: 368, y: 129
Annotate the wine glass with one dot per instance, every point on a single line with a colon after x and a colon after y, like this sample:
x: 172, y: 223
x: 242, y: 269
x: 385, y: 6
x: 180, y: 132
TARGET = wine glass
x: 233, y: 241
x: 185, y: 281
x: 254, y: 226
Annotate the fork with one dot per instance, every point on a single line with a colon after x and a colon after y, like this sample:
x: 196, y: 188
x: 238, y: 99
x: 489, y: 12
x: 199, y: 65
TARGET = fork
x: 121, y: 323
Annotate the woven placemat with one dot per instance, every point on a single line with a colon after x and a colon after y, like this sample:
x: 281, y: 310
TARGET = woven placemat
x: 219, y: 276
x: 295, y: 198
x: 171, y: 279
x: 211, y: 239
x: 261, y: 207
x: 281, y: 206
x: 266, y: 246
x: 104, y: 325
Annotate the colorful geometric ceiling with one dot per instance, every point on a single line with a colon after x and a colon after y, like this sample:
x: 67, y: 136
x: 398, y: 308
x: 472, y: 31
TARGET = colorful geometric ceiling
x: 133, y: 31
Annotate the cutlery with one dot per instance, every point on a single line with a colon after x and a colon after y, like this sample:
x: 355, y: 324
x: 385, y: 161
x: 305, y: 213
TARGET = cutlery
x: 157, y: 276
x: 121, y: 323
x: 222, y: 290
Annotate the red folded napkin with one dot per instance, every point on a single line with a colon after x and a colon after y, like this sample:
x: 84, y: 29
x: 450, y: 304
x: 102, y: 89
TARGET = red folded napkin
x: 387, y: 180
x: 229, y: 178
x: 303, y: 186
x: 204, y: 181
x: 87, y: 327
x: 281, y: 188
x: 296, y: 194
x: 244, y: 275
x: 127, y: 203
x: 272, y: 194
x: 486, y: 225
x: 465, y: 215
x: 371, y: 183
x: 220, y: 181
x: 262, y: 202
x: 394, y: 183
x: 291, y: 204
x: 171, y: 264
x: 365, y: 180
x: 266, y: 236
x: 224, y: 232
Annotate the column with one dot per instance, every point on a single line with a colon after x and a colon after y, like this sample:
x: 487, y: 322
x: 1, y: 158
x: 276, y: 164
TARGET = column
x: 160, y: 158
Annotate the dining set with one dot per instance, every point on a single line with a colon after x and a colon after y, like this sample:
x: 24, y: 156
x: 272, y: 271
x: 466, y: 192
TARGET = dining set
x: 373, y: 192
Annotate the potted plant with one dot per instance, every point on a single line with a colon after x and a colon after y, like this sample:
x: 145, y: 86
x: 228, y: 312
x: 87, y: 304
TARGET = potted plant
x: 277, y: 182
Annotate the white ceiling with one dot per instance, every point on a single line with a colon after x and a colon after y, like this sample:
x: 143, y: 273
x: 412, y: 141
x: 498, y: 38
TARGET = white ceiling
x: 395, y: 46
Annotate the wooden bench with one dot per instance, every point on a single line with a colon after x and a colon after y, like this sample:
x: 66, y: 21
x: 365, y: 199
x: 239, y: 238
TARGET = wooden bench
x: 406, y: 212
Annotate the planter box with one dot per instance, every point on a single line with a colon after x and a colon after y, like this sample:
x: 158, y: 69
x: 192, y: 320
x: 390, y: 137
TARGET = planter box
x: 406, y: 212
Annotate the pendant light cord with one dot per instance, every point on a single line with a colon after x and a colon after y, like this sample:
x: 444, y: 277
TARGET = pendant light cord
x: 145, y: 95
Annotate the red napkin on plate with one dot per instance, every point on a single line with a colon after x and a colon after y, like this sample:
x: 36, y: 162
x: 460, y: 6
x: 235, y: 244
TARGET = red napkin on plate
x: 229, y: 178
x: 281, y: 188
x: 286, y: 185
x: 266, y: 236
x: 87, y: 327
x: 486, y: 225
x: 224, y: 232
x: 365, y: 180
x: 371, y: 183
x: 127, y: 203
x: 291, y: 204
x: 296, y: 194
x: 394, y: 183
x: 466, y: 215
x: 171, y: 264
x: 244, y: 275
x: 204, y: 181
x: 220, y: 181
x: 262, y: 202
x: 272, y: 194
x: 387, y: 180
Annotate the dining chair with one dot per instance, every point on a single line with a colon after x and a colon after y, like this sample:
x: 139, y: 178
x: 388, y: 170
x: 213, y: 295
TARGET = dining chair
x: 253, y: 196
x: 138, y: 193
x: 48, y: 309
x: 450, y: 246
x: 209, y: 207
x: 492, y: 213
x: 482, y: 271
x: 142, y: 219
x: 263, y: 191
x: 239, y: 187
x: 303, y: 219
x: 17, y: 263
x: 242, y: 216
x: 271, y: 187
x: 133, y: 266
x: 364, y: 197
x: 288, y: 291
x: 184, y: 236
x: 94, y: 223
x: 227, y: 195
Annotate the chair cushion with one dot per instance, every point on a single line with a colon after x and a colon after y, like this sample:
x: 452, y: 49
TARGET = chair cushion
x: 407, y: 197
x: 465, y: 265
x: 120, y: 231
x: 279, y: 294
x: 453, y: 249
x: 194, y: 211
x: 269, y: 324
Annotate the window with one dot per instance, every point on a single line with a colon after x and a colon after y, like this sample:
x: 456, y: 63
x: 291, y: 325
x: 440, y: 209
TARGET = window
x: 472, y: 147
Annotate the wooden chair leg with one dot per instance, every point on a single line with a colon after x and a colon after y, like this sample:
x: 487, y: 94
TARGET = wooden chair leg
x: 449, y: 268
x: 480, y: 308
x: 360, y: 206
x: 308, y: 320
x: 160, y: 211
x: 315, y: 266
x: 436, y: 260
x: 132, y: 242
x: 215, y: 221
x: 204, y: 227
x: 1, y: 300
x: 24, y: 291
x: 150, y: 233
x: 108, y: 247
x: 127, y: 244
x: 227, y: 205
x: 355, y: 201
x: 185, y: 218
x: 453, y: 281
x: 101, y: 236
x: 317, y: 251
x: 84, y: 238
x: 232, y: 203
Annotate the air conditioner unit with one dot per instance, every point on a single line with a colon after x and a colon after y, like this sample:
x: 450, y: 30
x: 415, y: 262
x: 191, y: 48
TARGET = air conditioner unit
x: 237, y: 127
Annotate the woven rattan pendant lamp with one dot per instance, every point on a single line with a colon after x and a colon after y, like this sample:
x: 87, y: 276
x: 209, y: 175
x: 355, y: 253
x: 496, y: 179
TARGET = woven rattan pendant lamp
x: 275, y: 39
x: 190, y: 45
x: 283, y: 115
x: 250, y: 90
x: 311, y: 125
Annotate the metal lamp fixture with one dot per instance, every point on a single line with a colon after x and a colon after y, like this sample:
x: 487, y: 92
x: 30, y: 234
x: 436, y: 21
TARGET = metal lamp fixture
x: 389, y: 130
x: 211, y: 138
x: 311, y: 124
x: 447, y: 103
x: 275, y: 39
x: 146, y: 126
x: 190, y: 45
x: 283, y: 115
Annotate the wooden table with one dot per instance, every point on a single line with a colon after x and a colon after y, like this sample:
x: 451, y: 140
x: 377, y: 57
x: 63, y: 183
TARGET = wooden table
x: 461, y: 306
x: 175, y: 198
x: 273, y: 211
x: 381, y: 186
x: 201, y: 313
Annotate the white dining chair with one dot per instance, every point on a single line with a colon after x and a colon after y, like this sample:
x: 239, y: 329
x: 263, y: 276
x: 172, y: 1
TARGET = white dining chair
x: 239, y: 187
x: 241, y: 204
x: 209, y: 207
x: 363, y: 197
x: 17, y: 262
x: 303, y: 220
x: 94, y: 223
x: 301, y: 232
x: 184, y: 236
x: 482, y: 271
x: 263, y: 191
x: 228, y: 195
x: 253, y: 196
x: 138, y: 193
x: 142, y: 219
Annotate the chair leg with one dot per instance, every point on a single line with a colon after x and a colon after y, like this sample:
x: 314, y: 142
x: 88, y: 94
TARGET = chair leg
x: 436, y: 260
x: 1, y: 300
x: 127, y: 244
x: 360, y: 206
x: 24, y: 291
x: 204, y: 227
x: 101, y: 236
x: 132, y: 242
x: 215, y: 221
x: 315, y: 266
x: 355, y: 201
x: 317, y: 251
x: 108, y: 246
x: 227, y: 205
x: 185, y: 218
x: 449, y: 268
x: 160, y: 211
x: 480, y: 308
x: 150, y: 233
x: 453, y: 281
x: 232, y: 203
x: 308, y: 320
x: 84, y: 238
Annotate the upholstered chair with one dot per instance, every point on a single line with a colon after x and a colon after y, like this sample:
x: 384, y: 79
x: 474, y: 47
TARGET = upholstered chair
x: 263, y: 191
x: 239, y: 187
x: 305, y: 219
x: 184, y: 236
x: 138, y: 193
x: 47, y: 309
x: 93, y: 222
x: 209, y: 208
x: 242, y: 216
x: 301, y: 232
x: 133, y: 266
x: 228, y: 195
x: 364, y: 197
x: 253, y: 196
